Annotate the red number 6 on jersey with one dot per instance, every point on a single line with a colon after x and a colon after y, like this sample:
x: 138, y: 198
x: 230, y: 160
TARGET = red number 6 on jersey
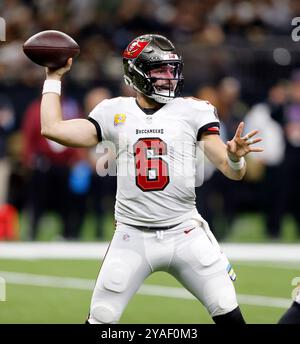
x: 152, y: 172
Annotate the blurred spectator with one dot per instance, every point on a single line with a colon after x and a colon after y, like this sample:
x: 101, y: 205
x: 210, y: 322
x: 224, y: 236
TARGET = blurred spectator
x: 126, y: 91
x: 267, y: 169
x: 288, y: 116
x: 231, y: 109
x: 8, y: 213
x: 7, y: 122
x: 59, y: 178
x: 102, y: 187
x: 218, y: 199
x: 209, y: 94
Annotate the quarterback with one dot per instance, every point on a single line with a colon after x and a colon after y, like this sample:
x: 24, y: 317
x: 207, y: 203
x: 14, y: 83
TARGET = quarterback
x: 157, y: 225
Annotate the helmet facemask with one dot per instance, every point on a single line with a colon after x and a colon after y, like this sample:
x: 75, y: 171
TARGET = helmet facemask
x: 166, y: 80
x: 152, y: 67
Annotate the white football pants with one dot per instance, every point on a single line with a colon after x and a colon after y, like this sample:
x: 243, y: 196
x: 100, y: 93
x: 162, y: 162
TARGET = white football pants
x: 188, y: 251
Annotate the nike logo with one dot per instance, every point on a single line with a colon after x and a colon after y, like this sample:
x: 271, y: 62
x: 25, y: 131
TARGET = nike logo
x: 188, y: 230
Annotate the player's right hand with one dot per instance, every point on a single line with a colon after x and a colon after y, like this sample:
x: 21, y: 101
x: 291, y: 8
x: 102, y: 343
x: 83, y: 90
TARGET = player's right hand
x: 56, y: 74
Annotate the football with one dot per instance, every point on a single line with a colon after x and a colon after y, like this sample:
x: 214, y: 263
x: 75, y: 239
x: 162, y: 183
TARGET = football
x: 51, y: 48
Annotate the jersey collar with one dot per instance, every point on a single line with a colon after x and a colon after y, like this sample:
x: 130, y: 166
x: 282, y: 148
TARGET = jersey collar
x: 148, y: 111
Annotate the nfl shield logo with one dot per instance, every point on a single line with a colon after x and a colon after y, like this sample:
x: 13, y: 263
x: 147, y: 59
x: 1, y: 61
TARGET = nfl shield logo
x: 149, y: 119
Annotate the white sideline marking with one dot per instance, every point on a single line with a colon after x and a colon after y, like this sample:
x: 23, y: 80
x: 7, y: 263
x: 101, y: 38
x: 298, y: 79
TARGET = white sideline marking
x: 263, y: 252
x: 47, y: 281
x: 52, y: 250
x: 74, y: 250
x: 150, y: 290
x: 269, y: 265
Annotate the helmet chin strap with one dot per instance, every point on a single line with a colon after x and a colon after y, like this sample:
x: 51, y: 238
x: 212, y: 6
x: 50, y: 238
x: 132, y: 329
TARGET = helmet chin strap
x: 163, y: 97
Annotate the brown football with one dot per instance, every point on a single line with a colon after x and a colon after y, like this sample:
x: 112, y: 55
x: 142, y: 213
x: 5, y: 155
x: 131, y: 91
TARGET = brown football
x: 51, y: 48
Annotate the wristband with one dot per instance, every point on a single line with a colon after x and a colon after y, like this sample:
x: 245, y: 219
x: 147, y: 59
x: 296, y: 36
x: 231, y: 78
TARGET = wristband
x: 52, y: 86
x: 236, y: 165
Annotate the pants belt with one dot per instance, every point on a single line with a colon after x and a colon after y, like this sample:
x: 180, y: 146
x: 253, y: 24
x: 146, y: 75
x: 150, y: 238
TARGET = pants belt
x: 146, y: 228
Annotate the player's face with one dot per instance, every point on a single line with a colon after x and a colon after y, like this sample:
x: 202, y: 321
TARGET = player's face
x: 164, y: 73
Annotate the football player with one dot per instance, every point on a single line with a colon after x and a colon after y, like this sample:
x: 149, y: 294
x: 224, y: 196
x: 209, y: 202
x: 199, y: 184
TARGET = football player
x: 292, y: 315
x: 155, y: 134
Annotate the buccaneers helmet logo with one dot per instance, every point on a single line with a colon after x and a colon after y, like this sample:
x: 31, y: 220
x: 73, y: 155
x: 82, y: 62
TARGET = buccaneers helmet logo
x: 134, y: 49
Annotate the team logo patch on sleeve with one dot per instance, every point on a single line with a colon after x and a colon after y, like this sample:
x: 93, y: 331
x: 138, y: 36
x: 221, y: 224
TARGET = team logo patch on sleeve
x: 231, y: 272
x: 119, y: 118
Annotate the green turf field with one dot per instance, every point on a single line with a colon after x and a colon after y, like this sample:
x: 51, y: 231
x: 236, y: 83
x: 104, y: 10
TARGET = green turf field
x: 56, y: 300
x: 248, y: 227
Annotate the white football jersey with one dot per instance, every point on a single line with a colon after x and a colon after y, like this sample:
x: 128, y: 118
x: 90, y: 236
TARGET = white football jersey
x: 155, y: 156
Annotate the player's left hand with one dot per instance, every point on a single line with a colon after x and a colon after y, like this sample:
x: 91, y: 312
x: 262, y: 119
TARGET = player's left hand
x: 240, y: 146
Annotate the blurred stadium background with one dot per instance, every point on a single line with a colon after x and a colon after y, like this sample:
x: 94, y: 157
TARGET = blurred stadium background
x: 240, y: 56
